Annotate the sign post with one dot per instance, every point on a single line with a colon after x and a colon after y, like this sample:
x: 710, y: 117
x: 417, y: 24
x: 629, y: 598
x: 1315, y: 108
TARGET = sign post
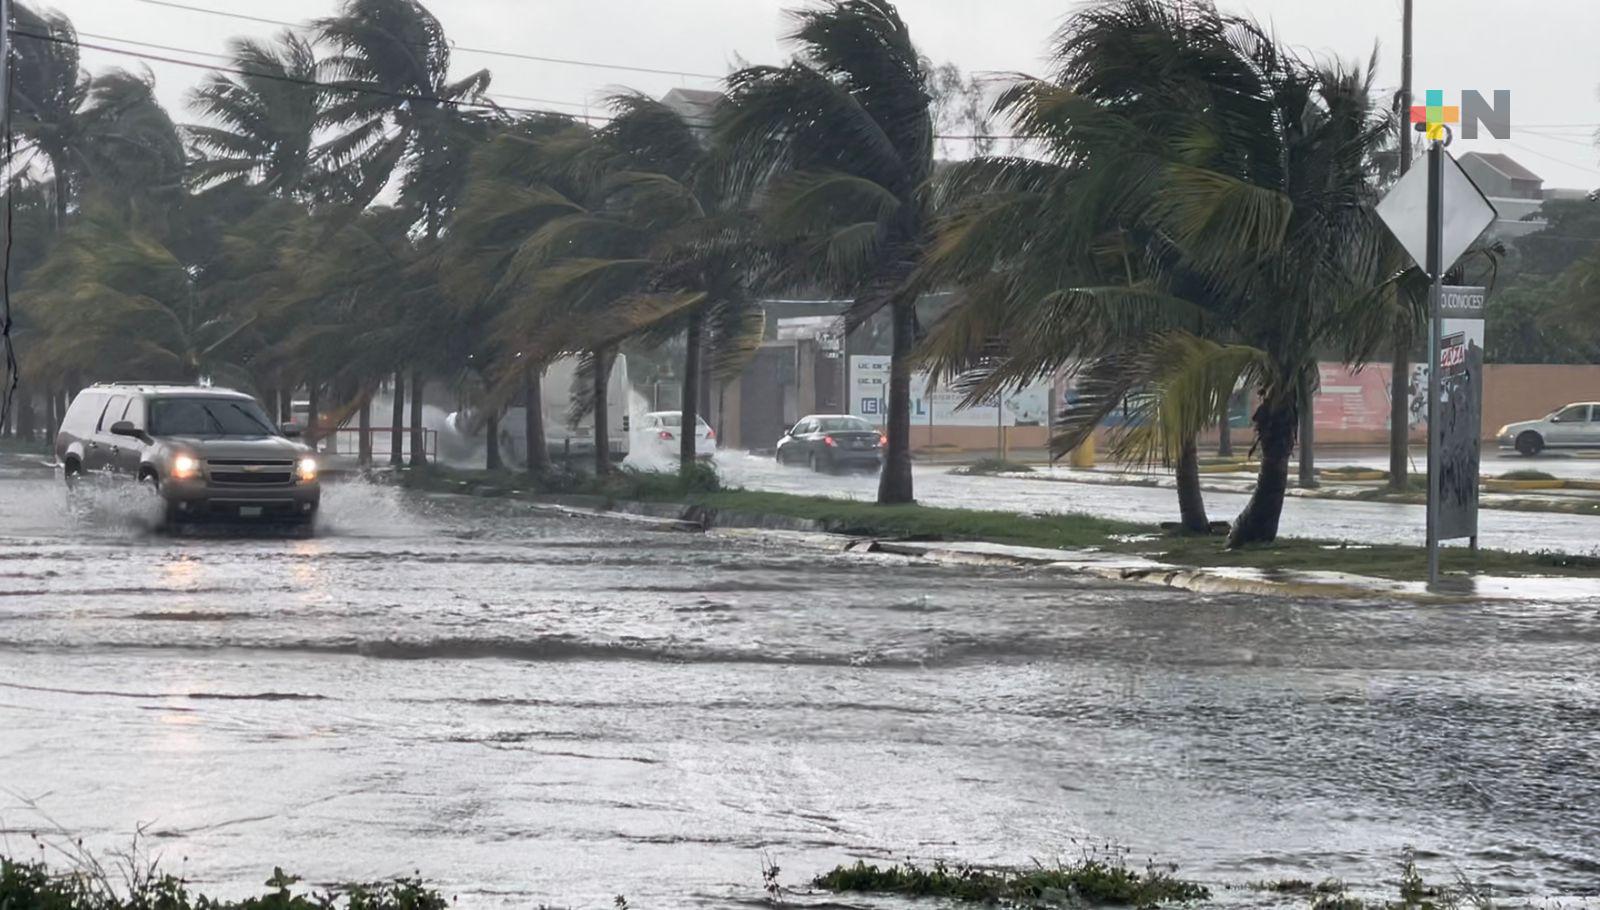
x: 1436, y: 213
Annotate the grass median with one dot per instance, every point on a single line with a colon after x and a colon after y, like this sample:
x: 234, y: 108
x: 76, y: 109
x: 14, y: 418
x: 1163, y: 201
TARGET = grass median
x: 1066, y: 531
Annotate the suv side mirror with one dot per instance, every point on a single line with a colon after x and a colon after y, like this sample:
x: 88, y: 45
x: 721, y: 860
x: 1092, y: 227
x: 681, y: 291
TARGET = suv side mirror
x: 290, y: 429
x: 789, y: 430
x: 1555, y: 419
x: 126, y: 428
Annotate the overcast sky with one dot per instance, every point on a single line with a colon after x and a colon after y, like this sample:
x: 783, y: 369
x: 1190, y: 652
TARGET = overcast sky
x: 1543, y: 51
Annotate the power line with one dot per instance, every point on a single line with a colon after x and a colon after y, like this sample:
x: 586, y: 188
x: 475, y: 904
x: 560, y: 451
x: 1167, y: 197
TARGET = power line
x: 309, y: 83
x: 1560, y: 161
x: 216, y: 56
x: 312, y: 83
x: 492, y: 52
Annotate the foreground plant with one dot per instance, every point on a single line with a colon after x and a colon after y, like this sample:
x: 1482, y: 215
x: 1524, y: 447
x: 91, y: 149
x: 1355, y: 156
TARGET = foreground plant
x: 35, y: 886
x: 1093, y: 881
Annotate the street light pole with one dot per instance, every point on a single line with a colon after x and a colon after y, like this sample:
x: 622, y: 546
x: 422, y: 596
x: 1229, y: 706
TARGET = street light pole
x: 1400, y: 380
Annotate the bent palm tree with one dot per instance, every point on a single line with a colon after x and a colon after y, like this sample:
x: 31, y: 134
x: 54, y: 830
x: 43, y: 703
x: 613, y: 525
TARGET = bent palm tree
x: 266, y: 119
x: 839, y: 146
x: 1242, y: 176
x: 108, y: 130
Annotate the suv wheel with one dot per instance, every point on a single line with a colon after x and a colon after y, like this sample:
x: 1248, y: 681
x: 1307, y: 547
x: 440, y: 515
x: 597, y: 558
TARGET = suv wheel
x: 1530, y: 443
x: 71, y: 472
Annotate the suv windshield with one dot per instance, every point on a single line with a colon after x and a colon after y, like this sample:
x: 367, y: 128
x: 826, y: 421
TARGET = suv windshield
x: 843, y: 424
x: 208, y: 417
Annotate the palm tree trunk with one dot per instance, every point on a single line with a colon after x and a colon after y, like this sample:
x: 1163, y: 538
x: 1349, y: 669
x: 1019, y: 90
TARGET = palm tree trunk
x: 1258, y: 523
x: 688, y: 427
x: 1400, y: 414
x: 25, y: 416
x: 313, y: 414
x: 894, y: 484
x: 1191, y: 503
x: 397, y: 421
x: 286, y: 404
x: 419, y: 454
x: 533, y: 421
x: 1225, y: 431
x: 602, y: 416
x: 364, y: 423
x: 1308, y: 451
x: 491, y: 448
x: 50, y: 419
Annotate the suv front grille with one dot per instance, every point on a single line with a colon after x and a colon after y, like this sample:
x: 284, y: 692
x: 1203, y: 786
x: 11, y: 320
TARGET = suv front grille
x: 245, y: 473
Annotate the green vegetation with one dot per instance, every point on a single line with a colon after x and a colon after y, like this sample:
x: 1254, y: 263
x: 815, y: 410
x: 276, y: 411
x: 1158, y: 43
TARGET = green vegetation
x: 987, y: 466
x: 1091, y: 881
x: 1525, y: 474
x: 1347, y: 469
x: 33, y: 886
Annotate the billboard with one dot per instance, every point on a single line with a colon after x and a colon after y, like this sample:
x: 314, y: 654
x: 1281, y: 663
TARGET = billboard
x: 938, y: 405
x: 1460, y: 409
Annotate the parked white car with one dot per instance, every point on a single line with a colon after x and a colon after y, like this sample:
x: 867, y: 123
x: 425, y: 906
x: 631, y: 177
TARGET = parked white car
x: 659, y: 433
x: 1576, y: 426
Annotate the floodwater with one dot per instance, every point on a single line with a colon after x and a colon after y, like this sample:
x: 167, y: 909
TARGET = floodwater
x: 531, y: 709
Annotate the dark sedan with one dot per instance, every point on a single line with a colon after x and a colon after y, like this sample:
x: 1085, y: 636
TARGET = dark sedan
x: 832, y: 442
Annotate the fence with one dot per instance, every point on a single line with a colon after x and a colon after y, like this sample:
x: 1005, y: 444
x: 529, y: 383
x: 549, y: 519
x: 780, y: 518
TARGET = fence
x: 347, y: 441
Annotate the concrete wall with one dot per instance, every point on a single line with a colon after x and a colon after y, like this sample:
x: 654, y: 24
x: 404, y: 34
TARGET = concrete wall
x: 1524, y: 391
x: 1512, y: 392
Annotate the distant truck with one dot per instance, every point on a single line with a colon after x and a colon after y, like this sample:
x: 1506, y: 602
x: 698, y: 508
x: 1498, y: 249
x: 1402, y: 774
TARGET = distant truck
x: 462, y: 436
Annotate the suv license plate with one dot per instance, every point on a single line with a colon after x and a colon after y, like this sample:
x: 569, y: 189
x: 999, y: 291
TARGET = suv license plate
x: 249, y: 511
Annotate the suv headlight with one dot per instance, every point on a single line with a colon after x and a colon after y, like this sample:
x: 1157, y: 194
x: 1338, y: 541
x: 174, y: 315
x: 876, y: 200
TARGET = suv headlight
x: 185, y: 467
x: 306, y: 469
x: 1503, y: 430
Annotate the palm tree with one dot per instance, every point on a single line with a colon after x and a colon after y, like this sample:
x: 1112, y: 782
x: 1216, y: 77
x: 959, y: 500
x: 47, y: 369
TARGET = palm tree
x: 108, y: 130
x: 115, y: 300
x: 705, y: 247
x: 840, y: 145
x: 266, y: 120
x: 1241, y: 176
x: 1055, y: 277
x: 504, y: 204
x: 49, y: 90
x: 402, y: 114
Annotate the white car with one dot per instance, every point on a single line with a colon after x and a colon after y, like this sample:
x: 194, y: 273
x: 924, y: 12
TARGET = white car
x: 660, y: 433
x: 1576, y: 426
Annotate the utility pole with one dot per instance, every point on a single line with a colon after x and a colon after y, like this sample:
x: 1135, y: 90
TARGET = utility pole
x: 1400, y: 381
x: 5, y: 66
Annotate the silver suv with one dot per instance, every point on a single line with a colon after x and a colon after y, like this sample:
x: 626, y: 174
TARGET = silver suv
x: 208, y: 452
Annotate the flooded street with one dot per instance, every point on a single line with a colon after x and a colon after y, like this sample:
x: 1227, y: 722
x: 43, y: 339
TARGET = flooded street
x: 533, y: 709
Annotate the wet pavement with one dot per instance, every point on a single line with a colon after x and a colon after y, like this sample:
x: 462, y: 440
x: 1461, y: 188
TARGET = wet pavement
x: 533, y: 709
x: 1357, y: 522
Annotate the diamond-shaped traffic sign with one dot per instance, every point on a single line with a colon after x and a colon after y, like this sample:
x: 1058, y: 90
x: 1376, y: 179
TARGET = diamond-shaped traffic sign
x: 1466, y: 213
